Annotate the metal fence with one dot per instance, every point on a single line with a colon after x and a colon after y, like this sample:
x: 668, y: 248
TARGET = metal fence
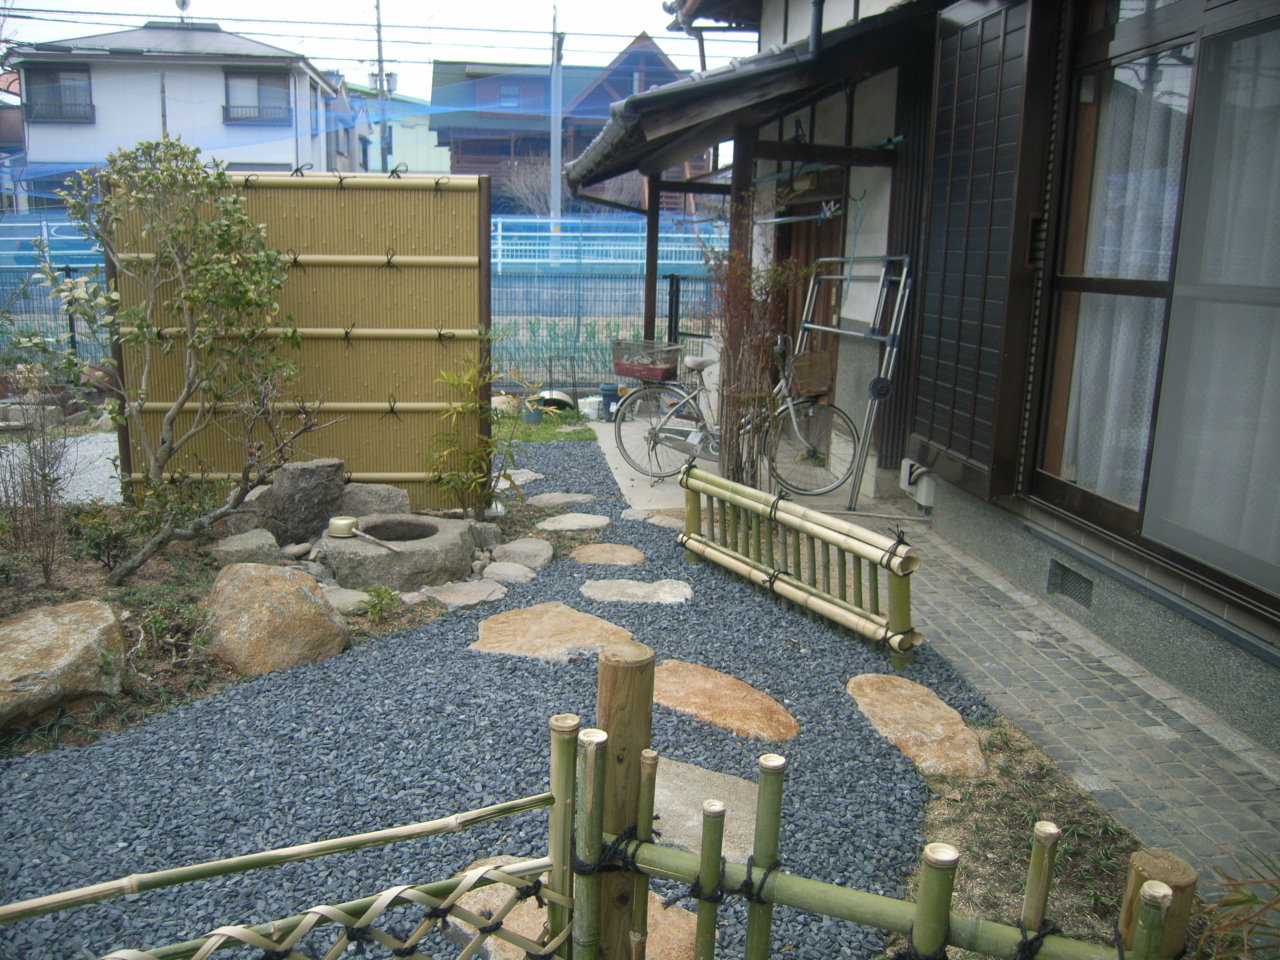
x: 557, y: 329
x: 35, y: 312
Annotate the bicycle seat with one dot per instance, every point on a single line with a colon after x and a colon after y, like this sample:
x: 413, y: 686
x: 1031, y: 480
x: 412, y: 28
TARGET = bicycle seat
x: 699, y: 363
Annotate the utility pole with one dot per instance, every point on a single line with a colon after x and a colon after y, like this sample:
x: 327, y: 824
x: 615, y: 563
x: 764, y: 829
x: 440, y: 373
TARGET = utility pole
x: 557, y: 115
x: 384, y: 132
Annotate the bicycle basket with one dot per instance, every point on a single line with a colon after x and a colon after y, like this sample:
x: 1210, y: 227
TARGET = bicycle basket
x: 812, y: 373
x: 645, y: 359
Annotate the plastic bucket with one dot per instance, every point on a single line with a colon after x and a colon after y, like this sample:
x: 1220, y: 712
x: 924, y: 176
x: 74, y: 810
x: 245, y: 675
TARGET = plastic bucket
x: 610, y: 394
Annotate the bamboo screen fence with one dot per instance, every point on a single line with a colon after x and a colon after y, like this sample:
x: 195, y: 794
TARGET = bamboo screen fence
x: 388, y: 286
x: 594, y: 776
x: 851, y: 576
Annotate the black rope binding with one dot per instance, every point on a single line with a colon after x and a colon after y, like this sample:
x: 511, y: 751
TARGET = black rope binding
x: 539, y: 956
x: 301, y: 169
x: 407, y: 950
x: 358, y: 936
x: 391, y: 257
x: 623, y: 847
x: 391, y: 408
x: 773, y: 508
x: 532, y: 890
x: 346, y: 334
x: 399, y: 168
x: 250, y: 181
x: 440, y: 913
x: 491, y: 927
x: 440, y: 182
x: 695, y: 890
x: 275, y: 954
x: 900, y: 540
x: 295, y: 260
x: 1028, y: 947
x: 751, y: 891
x: 342, y: 182
x: 1117, y: 940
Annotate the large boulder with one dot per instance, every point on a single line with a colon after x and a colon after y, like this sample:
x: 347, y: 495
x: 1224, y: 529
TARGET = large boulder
x: 256, y: 546
x: 360, y: 499
x: 248, y: 515
x: 303, y: 498
x: 50, y: 655
x: 263, y: 618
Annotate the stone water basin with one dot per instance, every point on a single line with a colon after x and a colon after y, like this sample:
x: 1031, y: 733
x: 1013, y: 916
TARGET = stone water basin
x: 432, y: 551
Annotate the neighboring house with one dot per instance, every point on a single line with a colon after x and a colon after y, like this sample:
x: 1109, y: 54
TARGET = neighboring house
x: 1088, y: 193
x: 250, y: 105
x: 410, y: 139
x: 495, y: 118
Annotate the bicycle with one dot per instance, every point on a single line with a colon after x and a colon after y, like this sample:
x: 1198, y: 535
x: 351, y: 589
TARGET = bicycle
x: 810, y: 447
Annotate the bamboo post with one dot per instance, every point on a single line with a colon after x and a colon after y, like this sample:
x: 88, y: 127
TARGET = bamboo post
x: 933, y: 902
x: 1179, y: 876
x: 588, y: 823
x: 1155, y: 900
x: 564, y: 756
x: 764, y: 850
x: 625, y: 710
x: 704, y: 940
x: 873, y: 588
x: 899, y: 619
x: 1044, y: 851
x: 692, y: 519
x: 842, y: 575
x: 644, y: 833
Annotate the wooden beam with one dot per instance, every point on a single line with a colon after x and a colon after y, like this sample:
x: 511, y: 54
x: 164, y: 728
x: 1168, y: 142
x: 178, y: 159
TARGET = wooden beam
x: 826, y: 153
x: 694, y: 186
x: 651, y: 257
x: 745, y: 142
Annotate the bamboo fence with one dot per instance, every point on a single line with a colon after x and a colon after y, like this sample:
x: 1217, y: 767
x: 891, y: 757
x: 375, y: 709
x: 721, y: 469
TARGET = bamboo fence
x: 824, y: 565
x: 581, y: 852
x: 388, y: 286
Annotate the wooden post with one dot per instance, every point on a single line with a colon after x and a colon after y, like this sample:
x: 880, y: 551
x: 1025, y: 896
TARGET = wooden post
x: 764, y: 850
x: 1044, y: 851
x: 588, y: 819
x: 644, y: 833
x: 933, y: 902
x: 652, y: 221
x: 564, y: 750
x: 704, y: 940
x: 1155, y: 899
x: 692, y: 518
x: 1171, y: 870
x: 624, y: 709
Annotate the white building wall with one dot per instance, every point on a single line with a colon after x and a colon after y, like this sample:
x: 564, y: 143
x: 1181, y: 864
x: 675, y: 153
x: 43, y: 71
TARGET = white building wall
x: 127, y: 105
x: 785, y: 21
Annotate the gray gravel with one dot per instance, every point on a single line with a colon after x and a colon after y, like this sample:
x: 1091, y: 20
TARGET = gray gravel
x: 414, y: 726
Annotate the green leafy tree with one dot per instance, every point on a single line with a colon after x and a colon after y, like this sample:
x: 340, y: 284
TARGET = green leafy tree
x: 198, y: 312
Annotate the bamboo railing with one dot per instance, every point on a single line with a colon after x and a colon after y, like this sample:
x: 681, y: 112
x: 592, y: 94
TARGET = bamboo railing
x: 581, y: 853
x: 827, y: 566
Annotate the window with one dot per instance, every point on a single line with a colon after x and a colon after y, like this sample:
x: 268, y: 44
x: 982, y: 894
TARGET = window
x: 258, y: 98
x: 314, y: 107
x: 1163, y: 384
x: 57, y: 95
x: 509, y: 96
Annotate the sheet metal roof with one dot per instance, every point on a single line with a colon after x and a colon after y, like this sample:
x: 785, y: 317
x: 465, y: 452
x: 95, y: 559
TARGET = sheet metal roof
x: 158, y: 38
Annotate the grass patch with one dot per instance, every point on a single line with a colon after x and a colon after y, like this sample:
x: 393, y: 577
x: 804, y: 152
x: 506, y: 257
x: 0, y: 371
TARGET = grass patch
x: 990, y: 820
x: 555, y: 426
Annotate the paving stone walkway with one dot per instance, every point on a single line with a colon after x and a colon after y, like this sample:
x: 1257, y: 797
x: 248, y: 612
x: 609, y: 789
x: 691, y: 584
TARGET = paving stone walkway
x: 1159, y: 762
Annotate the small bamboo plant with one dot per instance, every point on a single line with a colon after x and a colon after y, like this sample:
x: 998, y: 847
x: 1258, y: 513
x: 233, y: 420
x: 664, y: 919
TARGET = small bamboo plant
x: 1244, y: 920
x: 478, y: 449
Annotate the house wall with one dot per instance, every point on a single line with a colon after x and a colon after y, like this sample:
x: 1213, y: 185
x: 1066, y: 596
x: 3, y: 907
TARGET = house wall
x: 788, y: 20
x: 127, y: 106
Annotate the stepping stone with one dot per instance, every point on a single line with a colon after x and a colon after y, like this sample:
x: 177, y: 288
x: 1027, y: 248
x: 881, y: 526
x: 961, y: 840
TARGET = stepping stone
x: 635, y: 513
x: 723, y: 700
x: 667, y: 520
x: 682, y: 787
x: 465, y: 594
x: 608, y: 554
x: 344, y: 600
x: 670, y: 930
x: 533, y: 552
x: 574, y: 521
x: 519, y: 478
x: 508, y: 572
x: 637, y: 591
x: 549, y: 631
x: 559, y: 499
x: 916, y: 721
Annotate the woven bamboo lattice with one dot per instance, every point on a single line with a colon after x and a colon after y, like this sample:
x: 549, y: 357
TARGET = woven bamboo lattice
x: 358, y: 926
x: 388, y: 287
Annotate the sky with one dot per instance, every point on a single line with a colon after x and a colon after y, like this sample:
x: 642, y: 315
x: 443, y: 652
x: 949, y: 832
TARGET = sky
x: 340, y: 34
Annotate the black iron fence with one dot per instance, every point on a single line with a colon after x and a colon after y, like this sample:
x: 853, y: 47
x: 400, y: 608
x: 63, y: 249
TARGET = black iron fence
x: 35, y: 312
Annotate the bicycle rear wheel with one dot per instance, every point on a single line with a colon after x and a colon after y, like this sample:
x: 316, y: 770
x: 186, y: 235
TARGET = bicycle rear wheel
x: 658, y: 428
x: 812, y: 447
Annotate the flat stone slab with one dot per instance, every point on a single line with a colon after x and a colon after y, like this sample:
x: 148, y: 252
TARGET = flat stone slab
x: 549, y: 631
x: 574, y: 521
x: 677, y: 801
x: 465, y: 594
x: 670, y: 931
x: 916, y: 721
x: 532, y: 552
x: 508, y: 572
x: 518, y: 478
x: 723, y: 700
x: 344, y: 600
x: 637, y: 591
x: 673, y: 519
x: 560, y: 499
x: 635, y: 513
x: 608, y: 554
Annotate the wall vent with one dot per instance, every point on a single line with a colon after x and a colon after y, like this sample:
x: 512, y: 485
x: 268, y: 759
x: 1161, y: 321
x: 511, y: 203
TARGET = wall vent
x: 1072, y: 585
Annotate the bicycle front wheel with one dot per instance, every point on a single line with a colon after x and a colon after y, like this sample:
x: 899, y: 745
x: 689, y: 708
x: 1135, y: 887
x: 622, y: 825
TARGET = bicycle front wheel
x: 812, y: 447
x: 658, y: 428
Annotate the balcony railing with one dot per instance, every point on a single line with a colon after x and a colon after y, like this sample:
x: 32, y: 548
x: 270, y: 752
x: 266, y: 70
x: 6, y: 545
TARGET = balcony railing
x: 258, y: 115
x: 58, y: 112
